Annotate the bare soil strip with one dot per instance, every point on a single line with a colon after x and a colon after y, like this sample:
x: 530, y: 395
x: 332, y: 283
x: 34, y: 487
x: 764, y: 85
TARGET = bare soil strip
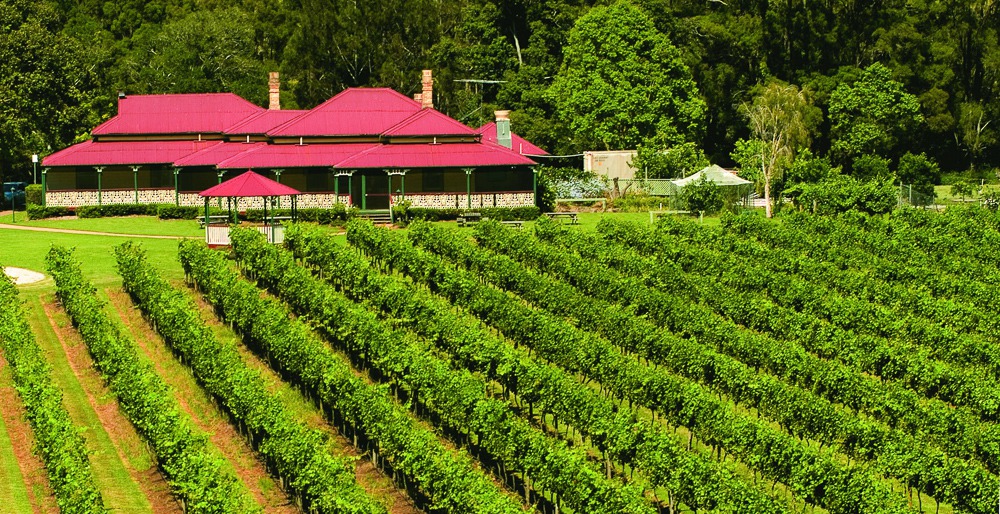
x: 130, y: 449
x: 198, y: 405
x: 368, y: 476
x: 31, y: 479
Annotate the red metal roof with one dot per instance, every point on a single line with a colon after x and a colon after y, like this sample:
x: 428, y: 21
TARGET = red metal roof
x: 520, y: 144
x: 201, y: 113
x: 111, y: 153
x: 216, y: 153
x: 295, y: 156
x: 447, y: 155
x: 353, y: 112
x: 249, y: 184
x: 259, y: 124
x: 429, y: 122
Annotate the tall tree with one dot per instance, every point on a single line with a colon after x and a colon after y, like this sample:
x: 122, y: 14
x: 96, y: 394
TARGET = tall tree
x: 777, y: 119
x: 205, y: 51
x: 48, y: 94
x: 622, y: 82
x: 872, y: 115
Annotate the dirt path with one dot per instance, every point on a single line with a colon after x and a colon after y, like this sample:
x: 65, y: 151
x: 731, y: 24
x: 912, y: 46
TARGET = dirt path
x: 196, y: 403
x: 33, y: 476
x: 371, y: 479
x: 85, y: 232
x: 118, y: 486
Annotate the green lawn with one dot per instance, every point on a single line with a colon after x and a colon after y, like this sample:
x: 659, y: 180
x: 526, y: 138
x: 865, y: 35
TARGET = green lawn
x: 12, y: 488
x: 28, y: 249
x: 142, y: 225
x: 119, y: 491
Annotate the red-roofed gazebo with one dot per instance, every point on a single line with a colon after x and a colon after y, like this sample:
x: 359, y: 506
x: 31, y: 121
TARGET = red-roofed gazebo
x: 246, y: 185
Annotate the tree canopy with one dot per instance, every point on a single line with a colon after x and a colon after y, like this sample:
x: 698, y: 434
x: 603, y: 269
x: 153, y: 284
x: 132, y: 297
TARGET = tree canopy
x: 622, y: 82
x: 886, y: 78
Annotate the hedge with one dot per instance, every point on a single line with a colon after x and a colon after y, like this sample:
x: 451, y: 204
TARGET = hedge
x: 496, y: 213
x: 37, y: 212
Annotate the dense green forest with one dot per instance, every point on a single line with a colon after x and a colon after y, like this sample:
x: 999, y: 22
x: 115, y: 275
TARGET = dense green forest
x: 869, y: 81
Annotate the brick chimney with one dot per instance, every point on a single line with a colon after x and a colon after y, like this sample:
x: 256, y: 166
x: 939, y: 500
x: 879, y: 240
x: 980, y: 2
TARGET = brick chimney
x: 274, y: 93
x: 503, y: 129
x: 427, y: 94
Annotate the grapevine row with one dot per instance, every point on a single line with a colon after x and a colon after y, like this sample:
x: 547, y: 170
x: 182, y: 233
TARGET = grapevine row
x: 958, y: 430
x: 447, y: 479
x: 456, y: 397
x: 911, y: 278
x: 695, y: 480
x: 297, y: 454
x: 869, y: 304
x: 195, y: 472
x: 805, y: 414
x: 864, y: 354
x: 814, y: 475
x: 57, y: 440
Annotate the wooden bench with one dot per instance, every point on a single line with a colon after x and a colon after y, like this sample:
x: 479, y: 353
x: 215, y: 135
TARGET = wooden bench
x: 215, y: 218
x: 514, y: 223
x: 571, y: 216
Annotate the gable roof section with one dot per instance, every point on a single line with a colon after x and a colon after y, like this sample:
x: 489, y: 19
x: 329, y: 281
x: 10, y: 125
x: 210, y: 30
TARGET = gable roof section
x: 116, y: 153
x: 429, y: 122
x: 216, y: 153
x: 199, y: 113
x: 520, y: 144
x: 260, y: 123
x: 352, y: 112
x: 448, y: 155
x: 295, y: 156
x: 249, y: 184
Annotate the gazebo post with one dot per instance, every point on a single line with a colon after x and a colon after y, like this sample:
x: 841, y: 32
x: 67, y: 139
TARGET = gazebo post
x: 277, y: 178
x: 219, y: 174
x: 206, y: 213
x: 45, y: 190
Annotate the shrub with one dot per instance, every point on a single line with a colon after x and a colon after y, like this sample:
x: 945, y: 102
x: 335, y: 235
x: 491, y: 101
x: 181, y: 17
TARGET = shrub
x: 338, y: 213
x: 37, y: 212
x: 496, y: 213
x: 840, y: 193
x: 703, y: 196
x: 34, y: 195
x: 118, y: 209
x: 178, y: 212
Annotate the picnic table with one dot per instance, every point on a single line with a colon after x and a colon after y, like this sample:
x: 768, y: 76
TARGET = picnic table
x: 469, y: 217
x: 564, y: 215
x: 513, y: 223
x: 215, y: 218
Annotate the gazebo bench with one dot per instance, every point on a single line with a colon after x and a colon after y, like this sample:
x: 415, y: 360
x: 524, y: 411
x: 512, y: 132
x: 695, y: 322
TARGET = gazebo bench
x: 215, y: 218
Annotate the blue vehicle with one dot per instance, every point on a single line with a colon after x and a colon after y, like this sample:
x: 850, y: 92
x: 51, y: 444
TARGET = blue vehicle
x: 13, y: 192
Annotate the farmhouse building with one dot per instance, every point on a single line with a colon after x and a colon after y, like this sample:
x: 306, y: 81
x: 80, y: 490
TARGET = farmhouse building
x: 367, y: 147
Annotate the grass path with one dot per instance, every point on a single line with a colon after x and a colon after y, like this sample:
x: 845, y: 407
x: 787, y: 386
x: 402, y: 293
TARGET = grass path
x: 368, y: 476
x: 24, y: 485
x: 197, y: 404
x: 123, y: 467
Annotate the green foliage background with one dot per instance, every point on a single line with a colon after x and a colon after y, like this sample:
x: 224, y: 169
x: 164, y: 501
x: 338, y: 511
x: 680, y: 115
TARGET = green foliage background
x: 62, y: 64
